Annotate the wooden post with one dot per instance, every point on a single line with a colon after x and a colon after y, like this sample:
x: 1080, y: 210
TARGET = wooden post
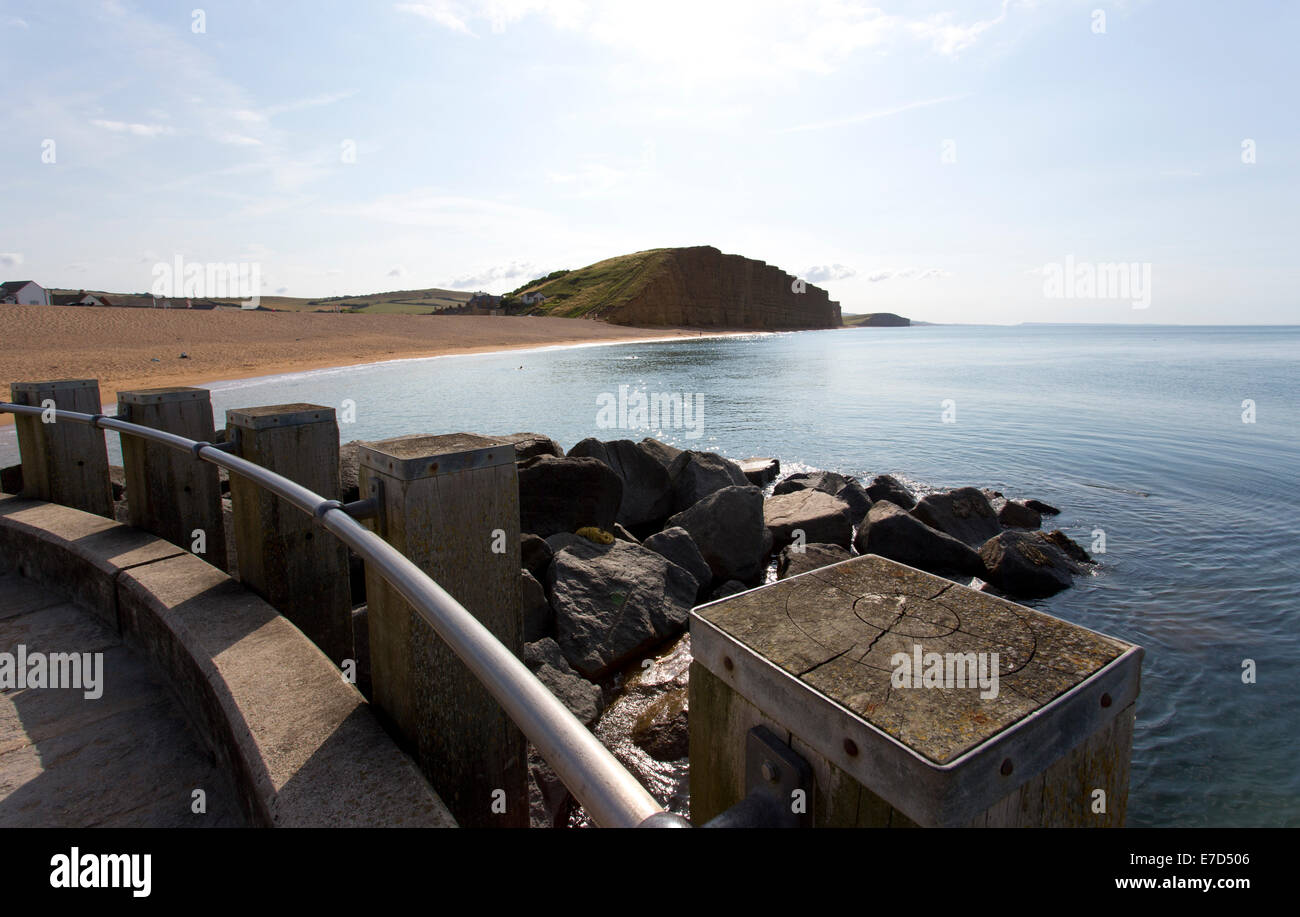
x: 171, y: 493
x: 451, y: 505
x: 826, y: 660
x: 283, y: 556
x: 64, y: 463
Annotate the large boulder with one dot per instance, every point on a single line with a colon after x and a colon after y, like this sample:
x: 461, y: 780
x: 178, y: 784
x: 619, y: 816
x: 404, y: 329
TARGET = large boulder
x: 792, y: 562
x: 662, y: 730
x: 1068, y: 545
x: 677, y: 546
x: 695, y: 475
x: 566, y: 494
x: 843, y: 486
x: 349, y: 469
x: 535, y: 554
x: 1043, y: 509
x: 659, y: 451
x: 1017, y: 515
x: 888, y: 487
x: 760, y: 471
x: 614, y: 601
x: 821, y: 517
x: 964, y: 513
x: 1026, y: 565
x: 727, y: 526
x: 647, y: 489
x: 584, y: 699
x: 531, y: 445
x: 892, y: 532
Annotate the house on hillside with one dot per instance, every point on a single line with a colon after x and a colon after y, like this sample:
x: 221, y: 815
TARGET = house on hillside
x: 484, y: 301
x: 532, y: 299
x: 24, y: 293
x: 80, y: 298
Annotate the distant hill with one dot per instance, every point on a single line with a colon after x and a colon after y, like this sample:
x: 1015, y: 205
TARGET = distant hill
x: 695, y: 287
x: 410, y: 302
x: 877, y: 320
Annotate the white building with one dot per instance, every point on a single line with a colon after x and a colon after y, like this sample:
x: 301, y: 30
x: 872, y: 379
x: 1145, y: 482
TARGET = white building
x: 24, y: 293
x: 530, y: 299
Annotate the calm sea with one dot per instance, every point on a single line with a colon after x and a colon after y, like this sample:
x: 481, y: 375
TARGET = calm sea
x: 1139, y: 432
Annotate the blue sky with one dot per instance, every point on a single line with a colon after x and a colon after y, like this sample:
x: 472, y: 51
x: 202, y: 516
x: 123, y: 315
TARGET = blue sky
x: 924, y: 158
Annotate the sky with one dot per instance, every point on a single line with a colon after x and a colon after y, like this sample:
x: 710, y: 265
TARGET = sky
x: 979, y: 161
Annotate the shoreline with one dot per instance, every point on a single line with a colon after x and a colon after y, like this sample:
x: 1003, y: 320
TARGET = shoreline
x: 114, y: 345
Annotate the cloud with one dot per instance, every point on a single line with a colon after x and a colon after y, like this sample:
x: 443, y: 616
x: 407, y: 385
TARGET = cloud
x: 873, y: 115
x: 238, y: 140
x: 282, y: 291
x: 910, y: 273
x: 139, y: 130
x: 826, y: 272
x: 513, y: 271
x: 16, y: 23
x: 397, y: 271
x: 11, y: 259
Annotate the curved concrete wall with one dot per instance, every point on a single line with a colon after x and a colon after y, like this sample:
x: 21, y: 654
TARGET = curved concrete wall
x: 300, y: 745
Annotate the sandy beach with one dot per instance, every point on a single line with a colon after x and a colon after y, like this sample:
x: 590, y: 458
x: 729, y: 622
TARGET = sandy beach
x: 141, y: 348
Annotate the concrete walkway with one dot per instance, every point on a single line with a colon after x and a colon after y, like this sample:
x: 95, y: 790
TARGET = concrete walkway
x: 126, y: 759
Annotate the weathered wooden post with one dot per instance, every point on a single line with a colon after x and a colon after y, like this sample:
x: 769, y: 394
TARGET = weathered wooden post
x: 170, y: 493
x: 450, y: 504
x: 871, y: 671
x: 283, y: 556
x: 64, y: 463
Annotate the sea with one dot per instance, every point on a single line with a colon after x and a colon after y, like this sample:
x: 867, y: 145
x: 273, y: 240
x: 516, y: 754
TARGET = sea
x: 1172, y: 451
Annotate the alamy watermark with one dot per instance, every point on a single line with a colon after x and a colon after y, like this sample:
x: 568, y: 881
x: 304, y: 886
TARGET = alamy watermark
x: 635, y: 409
x: 82, y: 671
x: 946, y: 670
x: 1088, y: 280
x: 209, y: 280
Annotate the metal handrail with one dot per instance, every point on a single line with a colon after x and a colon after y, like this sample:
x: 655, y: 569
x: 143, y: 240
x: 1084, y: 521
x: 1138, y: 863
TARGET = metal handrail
x: 607, y: 791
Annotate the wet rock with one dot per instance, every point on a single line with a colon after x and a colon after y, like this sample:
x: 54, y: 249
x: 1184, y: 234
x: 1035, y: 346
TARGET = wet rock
x: 647, y: 488
x: 892, y: 532
x: 659, y: 451
x: 792, y: 562
x: 1015, y: 514
x: 727, y: 526
x: 1044, y: 509
x: 566, y: 494
x: 662, y: 730
x: 539, y: 620
x: 1026, y: 565
x: 964, y: 513
x: 545, y: 659
x: 888, y: 487
x: 677, y: 545
x: 614, y: 601
x: 842, y: 486
x: 1068, y: 545
x: 535, y: 554
x: 696, y: 475
x: 821, y: 517
x: 760, y: 471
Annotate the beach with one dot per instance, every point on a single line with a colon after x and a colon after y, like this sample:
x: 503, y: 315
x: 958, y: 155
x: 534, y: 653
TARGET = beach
x: 141, y: 348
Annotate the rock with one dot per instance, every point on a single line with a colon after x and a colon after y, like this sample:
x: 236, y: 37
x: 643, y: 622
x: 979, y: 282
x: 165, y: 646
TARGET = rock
x: 539, y: 620
x: 1067, y: 544
x: 1026, y: 565
x: 888, y: 487
x: 822, y: 518
x: 729, y: 588
x: 349, y: 469
x: 583, y: 699
x: 1045, y: 509
x: 11, y: 479
x: 647, y: 489
x: 612, y: 602
x: 566, y: 494
x: 727, y: 526
x: 535, y: 554
x: 845, y: 487
x: 1017, y: 515
x: 542, y: 652
x: 677, y: 546
x: 661, y: 731
x: 558, y: 542
x: 892, y: 532
x: 792, y: 563
x: 531, y: 445
x: 624, y: 535
x: 695, y: 475
x: 964, y: 513
x: 548, y: 797
x: 660, y: 452
x: 760, y: 471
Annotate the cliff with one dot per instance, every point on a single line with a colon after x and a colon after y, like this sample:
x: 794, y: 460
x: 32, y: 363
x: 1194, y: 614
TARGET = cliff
x: 878, y: 320
x: 699, y: 287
